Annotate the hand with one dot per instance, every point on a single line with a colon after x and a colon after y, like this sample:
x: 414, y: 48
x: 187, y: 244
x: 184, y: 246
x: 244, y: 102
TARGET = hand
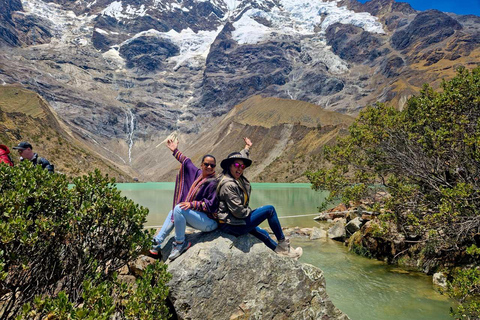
x: 172, y: 144
x: 248, y: 143
x: 184, y: 205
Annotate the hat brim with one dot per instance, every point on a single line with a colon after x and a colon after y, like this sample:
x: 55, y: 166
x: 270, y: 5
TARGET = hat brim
x: 19, y: 148
x: 227, y: 162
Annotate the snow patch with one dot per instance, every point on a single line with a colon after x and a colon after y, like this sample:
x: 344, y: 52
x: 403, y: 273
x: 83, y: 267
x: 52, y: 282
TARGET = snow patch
x: 113, y: 56
x: 301, y: 17
x: 65, y: 25
x: 115, y: 10
x: 194, y: 46
x: 101, y: 31
x: 248, y: 31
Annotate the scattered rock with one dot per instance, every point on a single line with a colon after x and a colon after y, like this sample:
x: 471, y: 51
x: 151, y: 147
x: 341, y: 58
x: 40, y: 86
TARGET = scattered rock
x: 318, y: 234
x: 440, y: 280
x: 353, y: 226
x: 337, y: 231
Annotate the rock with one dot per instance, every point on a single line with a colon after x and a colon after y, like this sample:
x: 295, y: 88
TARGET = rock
x: 322, y: 216
x: 227, y: 277
x: 428, y: 27
x: 138, y: 266
x: 353, y: 226
x: 129, y: 279
x: 353, y: 43
x: 337, y: 231
x: 148, y: 53
x: 318, y: 233
x: 440, y: 280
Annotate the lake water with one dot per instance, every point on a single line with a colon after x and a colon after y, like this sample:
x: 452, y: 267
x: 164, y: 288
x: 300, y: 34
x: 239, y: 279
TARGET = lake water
x: 364, y: 289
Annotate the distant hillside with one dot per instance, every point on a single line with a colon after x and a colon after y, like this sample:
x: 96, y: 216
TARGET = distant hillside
x: 288, y: 137
x: 25, y: 116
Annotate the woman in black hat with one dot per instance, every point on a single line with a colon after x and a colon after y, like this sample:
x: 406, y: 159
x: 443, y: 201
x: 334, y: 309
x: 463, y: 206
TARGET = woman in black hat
x: 236, y: 217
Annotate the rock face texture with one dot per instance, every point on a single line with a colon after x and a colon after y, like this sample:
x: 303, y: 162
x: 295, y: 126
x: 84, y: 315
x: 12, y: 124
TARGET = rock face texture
x: 224, y: 277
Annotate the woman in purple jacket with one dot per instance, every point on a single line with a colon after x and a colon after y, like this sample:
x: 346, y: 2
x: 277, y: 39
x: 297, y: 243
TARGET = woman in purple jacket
x: 194, y: 202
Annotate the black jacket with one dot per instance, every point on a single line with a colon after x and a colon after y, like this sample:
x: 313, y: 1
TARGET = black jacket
x: 41, y: 161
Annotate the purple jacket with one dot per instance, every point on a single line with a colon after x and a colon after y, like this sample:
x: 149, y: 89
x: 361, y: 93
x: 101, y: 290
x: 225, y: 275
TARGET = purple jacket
x: 205, y: 198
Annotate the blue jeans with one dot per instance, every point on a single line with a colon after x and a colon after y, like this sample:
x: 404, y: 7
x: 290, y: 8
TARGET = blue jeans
x: 256, y: 217
x: 195, y: 219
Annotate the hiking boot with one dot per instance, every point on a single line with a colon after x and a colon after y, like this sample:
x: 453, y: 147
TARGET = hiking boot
x: 283, y: 248
x: 178, y: 249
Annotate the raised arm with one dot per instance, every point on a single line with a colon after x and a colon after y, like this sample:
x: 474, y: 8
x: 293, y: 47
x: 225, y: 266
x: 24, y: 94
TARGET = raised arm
x: 172, y: 144
x: 248, y: 143
x: 246, y: 151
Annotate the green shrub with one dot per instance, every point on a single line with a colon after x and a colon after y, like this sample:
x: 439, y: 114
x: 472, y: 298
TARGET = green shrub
x: 104, y: 299
x: 53, y: 237
x: 427, y: 158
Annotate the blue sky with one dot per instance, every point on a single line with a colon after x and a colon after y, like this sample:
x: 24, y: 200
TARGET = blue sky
x: 456, y: 6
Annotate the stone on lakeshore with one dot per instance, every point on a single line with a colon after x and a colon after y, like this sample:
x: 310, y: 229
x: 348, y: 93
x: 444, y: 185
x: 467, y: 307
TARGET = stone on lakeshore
x: 440, y: 279
x: 353, y: 226
x: 227, y: 277
x: 318, y: 233
x: 340, y: 207
x: 322, y: 216
x: 337, y: 231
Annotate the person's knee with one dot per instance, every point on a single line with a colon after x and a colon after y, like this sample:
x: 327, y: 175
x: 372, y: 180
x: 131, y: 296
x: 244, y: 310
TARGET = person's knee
x: 271, y: 210
x: 211, y: 227
x: 177, y: 210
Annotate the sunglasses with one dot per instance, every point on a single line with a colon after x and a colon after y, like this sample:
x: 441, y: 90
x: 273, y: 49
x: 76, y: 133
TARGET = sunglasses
x: 239, y: 166
x: 213, y: 165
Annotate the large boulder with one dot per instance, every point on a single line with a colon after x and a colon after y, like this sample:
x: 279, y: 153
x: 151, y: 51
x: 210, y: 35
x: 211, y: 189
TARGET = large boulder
x: 227, y: 277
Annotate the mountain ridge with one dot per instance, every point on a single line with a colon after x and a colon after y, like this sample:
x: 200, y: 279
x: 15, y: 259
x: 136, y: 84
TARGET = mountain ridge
x: 124, y: 74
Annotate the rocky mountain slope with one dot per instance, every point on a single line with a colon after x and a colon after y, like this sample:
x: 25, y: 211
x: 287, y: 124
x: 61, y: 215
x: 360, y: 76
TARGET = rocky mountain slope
x: 288, y: 137
x: 124, y: 74
x: 25, y: 116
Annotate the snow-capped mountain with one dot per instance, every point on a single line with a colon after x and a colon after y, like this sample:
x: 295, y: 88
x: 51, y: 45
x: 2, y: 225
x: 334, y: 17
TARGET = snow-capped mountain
x: 123, y: 74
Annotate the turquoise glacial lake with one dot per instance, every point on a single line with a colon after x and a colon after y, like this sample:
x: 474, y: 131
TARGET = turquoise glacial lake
x: 364, y: 289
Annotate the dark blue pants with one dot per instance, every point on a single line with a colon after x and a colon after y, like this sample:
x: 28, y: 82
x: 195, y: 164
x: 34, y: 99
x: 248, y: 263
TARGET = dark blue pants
x: 255, y: 218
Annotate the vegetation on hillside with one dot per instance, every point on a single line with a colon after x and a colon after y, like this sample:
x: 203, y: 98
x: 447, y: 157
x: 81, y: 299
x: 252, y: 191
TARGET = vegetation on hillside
x: 60, y: 248
x: 427, y: 157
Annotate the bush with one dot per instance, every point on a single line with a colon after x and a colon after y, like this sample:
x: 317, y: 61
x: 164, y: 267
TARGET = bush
x: 103, y: 300
x: 53, y: 236
x: 427, y: 157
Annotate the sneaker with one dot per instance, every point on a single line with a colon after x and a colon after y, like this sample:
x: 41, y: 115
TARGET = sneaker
x: 155, y: 251
x: 178, y: 249
x: 283, y: 248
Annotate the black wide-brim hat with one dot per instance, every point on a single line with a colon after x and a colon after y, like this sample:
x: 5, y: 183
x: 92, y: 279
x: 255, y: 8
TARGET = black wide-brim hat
x: 232, y: 157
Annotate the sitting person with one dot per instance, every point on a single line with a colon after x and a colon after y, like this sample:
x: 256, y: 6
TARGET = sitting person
x: 25, y: 152
x: 194, y: 202
x: 236, y: 217
x: 5, y: 155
